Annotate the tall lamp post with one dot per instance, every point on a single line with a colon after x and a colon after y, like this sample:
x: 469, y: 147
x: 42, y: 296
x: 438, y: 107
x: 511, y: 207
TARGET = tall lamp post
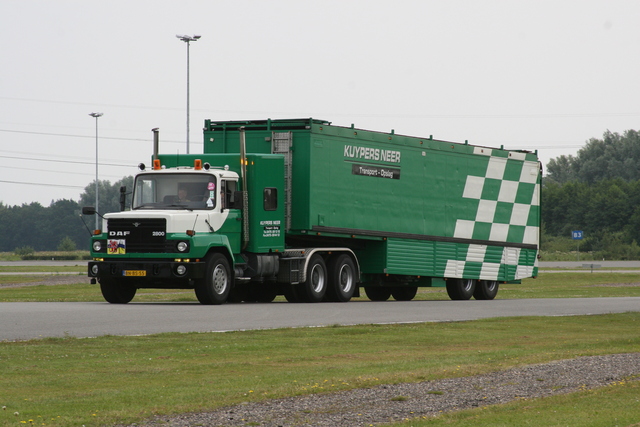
x: 187, y: 40
x: 96, y: 115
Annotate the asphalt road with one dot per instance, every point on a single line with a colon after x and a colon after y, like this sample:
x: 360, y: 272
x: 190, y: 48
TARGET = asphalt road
x: 26, y: 320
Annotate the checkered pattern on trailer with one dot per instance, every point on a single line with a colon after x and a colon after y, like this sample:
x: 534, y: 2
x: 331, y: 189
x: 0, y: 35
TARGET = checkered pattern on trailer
x: 508, y: 210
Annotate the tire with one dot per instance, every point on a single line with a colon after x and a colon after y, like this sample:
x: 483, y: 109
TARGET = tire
x: 486, y: 290
x: 116, y: 292
x: 238, y: 293
x: 342, y: 278
x: 404, y: 293
x: 315, y: 287
x: 215, y: 288
x: 461, y: 289
x: 263, y: 292
x: 378, y: 293
x: 291, y: 294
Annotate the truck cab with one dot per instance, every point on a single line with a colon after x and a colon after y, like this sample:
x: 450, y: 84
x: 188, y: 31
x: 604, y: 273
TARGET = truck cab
x: 178, y: 216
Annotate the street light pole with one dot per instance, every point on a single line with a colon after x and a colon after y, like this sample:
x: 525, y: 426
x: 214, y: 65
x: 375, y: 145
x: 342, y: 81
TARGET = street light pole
x: 187, y: 40
x: 96, y: 115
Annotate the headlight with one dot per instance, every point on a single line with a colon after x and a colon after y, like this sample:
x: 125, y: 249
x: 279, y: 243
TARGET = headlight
x: 94, y: 270
x: 183, y: 246
x: 97, y: 246
x: 181, y: 270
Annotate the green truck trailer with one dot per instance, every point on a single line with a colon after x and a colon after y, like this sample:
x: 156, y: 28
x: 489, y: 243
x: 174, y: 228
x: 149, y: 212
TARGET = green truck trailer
x: 317, y: 212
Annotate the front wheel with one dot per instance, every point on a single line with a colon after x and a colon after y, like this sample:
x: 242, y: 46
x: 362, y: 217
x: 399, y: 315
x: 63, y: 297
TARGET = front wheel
x: 461, y: 289
x: 214, y: 289
x: 486, y: 290
x: 116, y: 292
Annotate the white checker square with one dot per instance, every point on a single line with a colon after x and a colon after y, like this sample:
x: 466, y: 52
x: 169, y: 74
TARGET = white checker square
x: 454, y: 268
x: 517, y: 156
x: 499, y: 232
x: 464, y: 229
x: 496, y: 168
x: 476, y: 253
x: 483, y: 151
x: 519, y: 214
x: 490, y: 271
x: 523, y: 271
x: 535, y: 200
x: 511, y: 256
x: 486, y: 210
x: 508, y: 191
x: 530, y: 236
x: 473, y: 187
x: 530, y: 171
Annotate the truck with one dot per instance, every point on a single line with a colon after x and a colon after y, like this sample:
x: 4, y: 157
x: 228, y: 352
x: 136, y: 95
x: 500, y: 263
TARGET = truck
x: 318, y: 212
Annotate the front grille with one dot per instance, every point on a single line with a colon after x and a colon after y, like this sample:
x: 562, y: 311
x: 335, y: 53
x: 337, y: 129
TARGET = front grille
x: 140, y: 234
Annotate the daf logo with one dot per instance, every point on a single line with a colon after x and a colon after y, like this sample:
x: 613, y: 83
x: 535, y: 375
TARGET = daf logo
x: 119, y: 233
x: 136, y: 224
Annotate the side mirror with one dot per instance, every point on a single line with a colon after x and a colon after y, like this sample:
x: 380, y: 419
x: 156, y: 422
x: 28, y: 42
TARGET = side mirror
x: 88, y: 210
x: 123, y: 197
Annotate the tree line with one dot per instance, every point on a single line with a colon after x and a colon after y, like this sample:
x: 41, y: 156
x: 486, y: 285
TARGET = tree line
x: 60, y: 225
x: 596, y: 191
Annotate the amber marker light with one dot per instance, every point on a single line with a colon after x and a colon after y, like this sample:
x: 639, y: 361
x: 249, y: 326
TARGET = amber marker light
x: 156, y: 165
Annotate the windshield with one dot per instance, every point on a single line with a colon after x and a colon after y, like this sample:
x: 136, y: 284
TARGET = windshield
x: 174, y: 191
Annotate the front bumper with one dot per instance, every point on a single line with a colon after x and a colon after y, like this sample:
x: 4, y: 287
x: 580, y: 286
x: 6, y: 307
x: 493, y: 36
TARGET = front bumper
x: 146, y: 270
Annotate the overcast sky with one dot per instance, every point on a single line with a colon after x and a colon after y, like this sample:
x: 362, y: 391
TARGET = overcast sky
x: 545, y: 75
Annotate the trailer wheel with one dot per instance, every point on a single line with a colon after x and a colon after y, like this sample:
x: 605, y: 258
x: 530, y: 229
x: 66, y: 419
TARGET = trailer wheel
x: 116, y: 292
x: 378, y: 293
x: 315, y: 287
x: 486, y: 290
x: 404, y: 293
x: 461, y: 289
x: 216, y: 285
x: 342, y: 283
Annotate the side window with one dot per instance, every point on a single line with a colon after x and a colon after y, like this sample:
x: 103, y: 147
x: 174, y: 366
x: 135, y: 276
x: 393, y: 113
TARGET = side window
x: 223, y: 187
x: 230, y: 193
x: 270, y: 198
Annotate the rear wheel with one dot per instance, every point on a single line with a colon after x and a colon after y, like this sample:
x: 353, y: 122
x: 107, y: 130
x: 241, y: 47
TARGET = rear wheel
x: 116, y: 292
x: 404, y: 293
x: 486, y: 290
x: 216, y: 285
x: 461, y: 289
x: 315, y: 287
x: 378, y: 293
x: 342, y: 278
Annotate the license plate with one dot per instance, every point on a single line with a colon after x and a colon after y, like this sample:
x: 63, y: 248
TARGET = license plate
x: 134, y: 273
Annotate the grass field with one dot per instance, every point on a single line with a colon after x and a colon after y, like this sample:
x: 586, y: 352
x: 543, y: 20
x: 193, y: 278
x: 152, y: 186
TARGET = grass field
x: 109, y: 379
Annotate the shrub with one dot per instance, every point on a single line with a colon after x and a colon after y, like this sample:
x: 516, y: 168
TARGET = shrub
x: 24, y: 251
x: 67, y: 245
